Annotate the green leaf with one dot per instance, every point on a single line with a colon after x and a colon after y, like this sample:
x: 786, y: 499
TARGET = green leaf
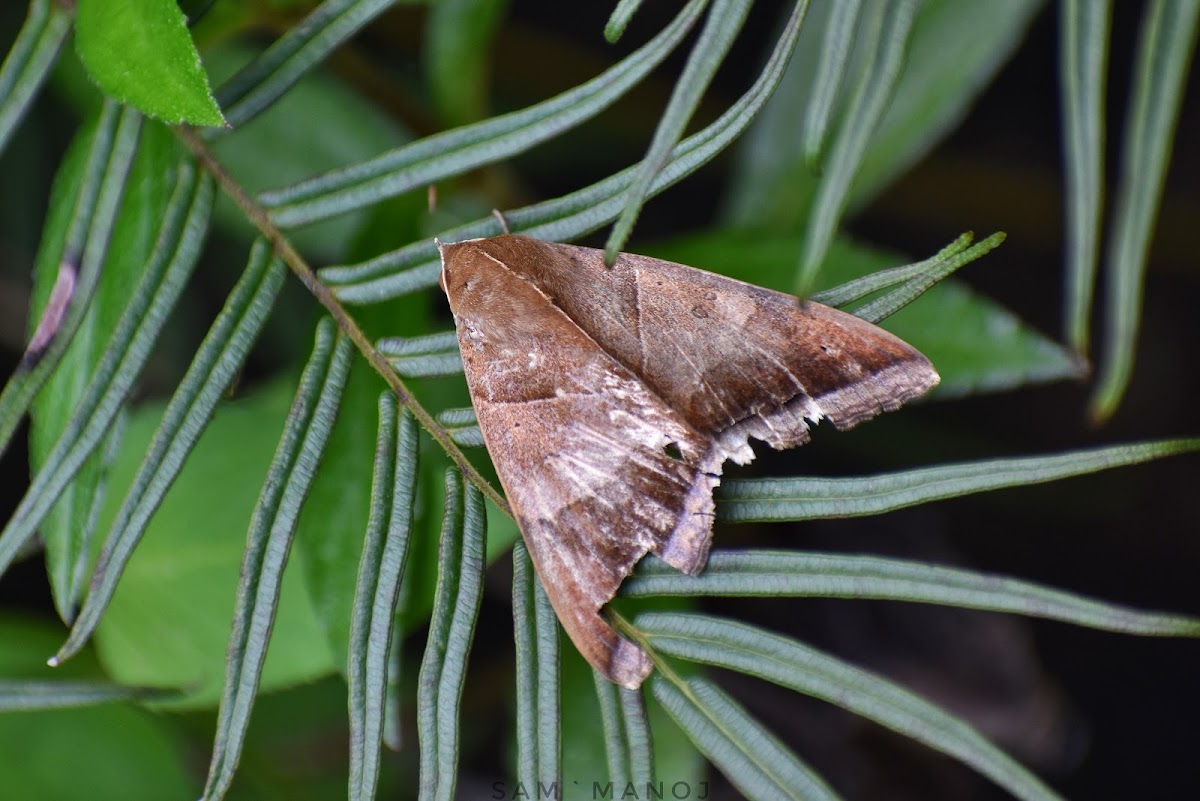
x: 751, y: 758
x: 806, y: 670
x: 805, y: 574
x: 539, y: 717
x: 619, y: 19
x: 74, y: 246
x: 451, y: 630
x: 885, y: 31
x: 140, y: 52
x: 457, y: 55
x: 812, y: 498
x: 68, y: 527
x: 725, y: 18
x: 1168, y: 37
x: 954, y: 50
x: 29, y: 61
x: 217, y: 360
x: 294, y: 55
x: 1083, y: 31
x: 329, y: 539
x: 369, y: 671
x: 269, y: 541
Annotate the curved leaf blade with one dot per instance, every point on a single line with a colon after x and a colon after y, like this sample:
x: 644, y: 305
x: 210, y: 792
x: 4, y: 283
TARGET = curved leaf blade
x: 792, y: 574
x: 806, y: 670
x: 217, y: 360
x: 809, y: 498
x: 29, y: 61
x: 436, y: 157
x: 269, y: 542
x: 1168, y: 37
x: 385, y: 552
x: 749, y: 756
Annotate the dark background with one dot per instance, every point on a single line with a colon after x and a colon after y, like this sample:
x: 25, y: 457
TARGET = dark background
x: 1099, y: 715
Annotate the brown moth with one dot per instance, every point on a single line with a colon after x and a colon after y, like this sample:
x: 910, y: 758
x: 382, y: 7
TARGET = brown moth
x: 610, y: 398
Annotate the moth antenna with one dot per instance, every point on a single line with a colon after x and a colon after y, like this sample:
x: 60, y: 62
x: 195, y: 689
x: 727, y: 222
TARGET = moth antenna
x: 503, y: 222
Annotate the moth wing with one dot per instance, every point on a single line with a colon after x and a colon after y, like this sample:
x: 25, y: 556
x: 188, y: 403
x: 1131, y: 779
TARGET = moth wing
x: 734, y: 359
x: 594, y: 489
x: 598, y: 470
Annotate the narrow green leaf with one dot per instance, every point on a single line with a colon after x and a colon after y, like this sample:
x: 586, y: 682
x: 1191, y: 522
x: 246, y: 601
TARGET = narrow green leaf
x: 141, y: 53
x: 23, y: 696
x: 261, y: 82
x: 452, y: 626
x: 885, y: 31
x: 107, y: 166
x: 131, y: 242
x: 269, y: 541
x: 384, y: 555
x: 619, y: 19
x: 851, y: 291
x: 539, y: 722
x: 1083, y: 45
x: 436, y: 157
x: 725, y: 19
x: 549, y: 704
x: 74, y: 203
x: 572, y: 215
x: 612, y: 722
x: 29, y: 61
x: 462, y: 427
x: 880, y: 309
x: 217, y: 361
x: 766, y: 499
x: 638, y: 741
x: 792, y: 574
x: 423, y: 356
x: 457, y: 56
x: 751, y: 758
x: 81, y: 418
x: 806, y: 670
x: 954, y: 51
x: 525, y: 645
x: 835, y: 55
x: 1169, y: 31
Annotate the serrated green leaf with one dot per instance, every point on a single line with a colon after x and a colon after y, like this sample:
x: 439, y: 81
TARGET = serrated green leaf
x: 140, y: 52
